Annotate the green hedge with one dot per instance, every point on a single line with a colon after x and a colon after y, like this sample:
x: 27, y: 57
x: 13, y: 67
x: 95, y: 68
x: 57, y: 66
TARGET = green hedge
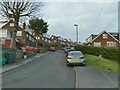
x: 18, y: 53
x: 110, y: 53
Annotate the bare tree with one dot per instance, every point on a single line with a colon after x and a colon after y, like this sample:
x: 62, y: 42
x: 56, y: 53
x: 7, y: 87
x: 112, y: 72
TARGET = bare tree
x: 17, y: 9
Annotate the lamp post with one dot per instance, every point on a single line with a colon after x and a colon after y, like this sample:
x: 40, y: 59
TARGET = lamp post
x: 76, y: 32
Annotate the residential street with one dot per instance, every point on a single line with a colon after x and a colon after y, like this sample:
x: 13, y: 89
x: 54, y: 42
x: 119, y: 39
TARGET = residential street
x: 50, y: 71
x: 70, y: 44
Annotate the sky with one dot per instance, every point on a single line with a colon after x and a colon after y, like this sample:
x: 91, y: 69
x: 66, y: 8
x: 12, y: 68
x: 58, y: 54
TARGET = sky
x: 90, y: 16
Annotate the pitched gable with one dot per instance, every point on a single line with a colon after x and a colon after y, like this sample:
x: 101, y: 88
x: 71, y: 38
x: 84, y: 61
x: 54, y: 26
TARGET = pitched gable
x: 101, y: 36
x: 10, y: 26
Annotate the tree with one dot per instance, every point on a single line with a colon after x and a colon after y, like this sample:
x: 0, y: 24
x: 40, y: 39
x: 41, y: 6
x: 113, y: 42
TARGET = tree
x: 39, y: 27
x: 17, y: 9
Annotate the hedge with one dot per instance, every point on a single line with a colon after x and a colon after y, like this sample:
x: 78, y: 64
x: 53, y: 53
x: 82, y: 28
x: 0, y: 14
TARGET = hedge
x: 110, y: 53
x: 18, y: 53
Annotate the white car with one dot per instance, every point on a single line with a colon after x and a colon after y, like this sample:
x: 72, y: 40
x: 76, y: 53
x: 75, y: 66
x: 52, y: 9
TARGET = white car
x: 75, y: 58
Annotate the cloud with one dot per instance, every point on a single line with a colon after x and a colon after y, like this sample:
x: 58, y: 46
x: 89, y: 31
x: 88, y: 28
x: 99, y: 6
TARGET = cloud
x: 91, y: 17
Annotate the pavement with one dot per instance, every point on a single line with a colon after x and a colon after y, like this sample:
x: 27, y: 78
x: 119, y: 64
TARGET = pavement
x: 89, y: 77
x: 20, y: 62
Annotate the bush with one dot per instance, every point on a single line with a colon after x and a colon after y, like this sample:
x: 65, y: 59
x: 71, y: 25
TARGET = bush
x: 110, y: 53
x: 31, y: 53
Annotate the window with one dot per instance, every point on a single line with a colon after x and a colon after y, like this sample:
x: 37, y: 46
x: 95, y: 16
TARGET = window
x: 111, y: 44
x: 105, y: 36
x: 11, y: 24
x: 2, y: 41
x: 19, y: 33
x: 97, y: 44
x: 3, y: 33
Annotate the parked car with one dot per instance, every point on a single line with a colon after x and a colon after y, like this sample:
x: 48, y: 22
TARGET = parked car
x: 66, y: 49
x: 29, y: 48
x: 75, y: 58
x: 52, y: 49
x: 70, y: 49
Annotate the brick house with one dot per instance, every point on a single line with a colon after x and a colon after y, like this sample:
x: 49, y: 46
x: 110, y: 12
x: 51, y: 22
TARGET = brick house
x: 54, y: 39
x: 104, y: 39
x: 5, y: 35
x: 22, y: 37
x: 7, y: 30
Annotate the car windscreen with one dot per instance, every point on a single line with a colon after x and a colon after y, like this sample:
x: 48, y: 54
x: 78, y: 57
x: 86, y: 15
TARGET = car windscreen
x: 75, y: 54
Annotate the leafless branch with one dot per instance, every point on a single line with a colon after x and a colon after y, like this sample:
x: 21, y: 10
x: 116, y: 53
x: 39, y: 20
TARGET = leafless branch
x: 12, y: 8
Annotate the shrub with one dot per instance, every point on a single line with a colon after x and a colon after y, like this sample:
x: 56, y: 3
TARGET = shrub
x: 110, y: 53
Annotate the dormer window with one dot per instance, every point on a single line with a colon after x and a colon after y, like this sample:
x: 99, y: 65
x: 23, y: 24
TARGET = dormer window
x: 105, y: 36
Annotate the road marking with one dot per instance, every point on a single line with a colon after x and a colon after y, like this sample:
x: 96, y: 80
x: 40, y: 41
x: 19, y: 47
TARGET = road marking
x: 76, y: 78
x: 109, y: 79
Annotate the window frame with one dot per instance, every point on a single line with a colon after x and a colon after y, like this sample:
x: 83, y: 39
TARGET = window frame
x: 111, y: 44
x: 105, y: 36
x: 97, y: 44
x: 19, y: 33
x: 2, y: 41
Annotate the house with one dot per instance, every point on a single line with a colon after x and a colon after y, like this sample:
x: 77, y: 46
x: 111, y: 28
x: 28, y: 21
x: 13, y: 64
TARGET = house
x: 46, y: 38
x: 9, y: 27
x: 22, y: 36
x: 54, y: 39
x: 5, y: 35
x: 104, y: 39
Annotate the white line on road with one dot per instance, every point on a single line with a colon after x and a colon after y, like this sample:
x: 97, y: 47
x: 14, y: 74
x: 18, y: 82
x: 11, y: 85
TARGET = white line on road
x: 76, y: 78
x: 109, y: 79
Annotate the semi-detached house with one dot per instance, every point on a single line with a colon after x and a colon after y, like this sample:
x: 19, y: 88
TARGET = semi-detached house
x: 22, y: 37
x: 104, y: 39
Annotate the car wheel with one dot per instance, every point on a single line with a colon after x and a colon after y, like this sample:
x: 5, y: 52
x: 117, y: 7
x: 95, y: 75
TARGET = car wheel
x: 84, y: 64
x: 68, y: 63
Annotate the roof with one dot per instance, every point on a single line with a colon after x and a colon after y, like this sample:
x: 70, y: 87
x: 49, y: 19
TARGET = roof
x: 2, y: 24
x: 101, y: 34
x: 115, y: 34
x: 93, y: 36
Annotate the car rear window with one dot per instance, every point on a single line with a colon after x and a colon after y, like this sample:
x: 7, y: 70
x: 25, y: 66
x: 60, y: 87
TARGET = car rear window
x: 75, y: 54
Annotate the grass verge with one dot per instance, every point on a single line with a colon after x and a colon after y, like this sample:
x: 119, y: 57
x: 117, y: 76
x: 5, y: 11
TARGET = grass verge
x: 101, y: 63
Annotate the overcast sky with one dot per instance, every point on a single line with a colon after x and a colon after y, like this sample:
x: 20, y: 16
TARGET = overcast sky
x: 91, y: 18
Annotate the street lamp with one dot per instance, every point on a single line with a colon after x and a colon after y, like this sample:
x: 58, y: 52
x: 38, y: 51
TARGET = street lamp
x: 76, y: 32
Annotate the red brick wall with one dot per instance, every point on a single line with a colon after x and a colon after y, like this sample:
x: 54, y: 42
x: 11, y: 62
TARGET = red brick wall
x: 104, y: 41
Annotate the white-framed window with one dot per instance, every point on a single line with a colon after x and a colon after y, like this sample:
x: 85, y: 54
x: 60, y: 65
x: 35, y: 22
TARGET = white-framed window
x: 19, y: 33
x: 97, y: 44
x: 11, y: 24
x: 2, y: 41
x: 3, y: 33
x: 105, y: 36
x: 111, y: 44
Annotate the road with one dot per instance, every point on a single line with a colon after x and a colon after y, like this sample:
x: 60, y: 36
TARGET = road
x: 49, y: 71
